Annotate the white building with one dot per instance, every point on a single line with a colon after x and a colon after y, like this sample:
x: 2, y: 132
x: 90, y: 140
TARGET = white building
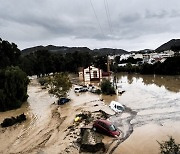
x: 169, y: 52
x: 125, y: 56
x: 136, y: 56
x: 90, y: 73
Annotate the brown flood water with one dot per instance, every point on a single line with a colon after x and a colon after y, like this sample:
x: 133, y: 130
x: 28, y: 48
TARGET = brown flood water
x: 155, y: 104
x: 152, y: 113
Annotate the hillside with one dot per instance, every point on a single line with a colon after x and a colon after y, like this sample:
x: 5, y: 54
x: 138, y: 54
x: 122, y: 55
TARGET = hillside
x: 173, y: 44
x: 143, y: 51
x: 64, y: 50
x: 110, y: 51
x: 56, y: 49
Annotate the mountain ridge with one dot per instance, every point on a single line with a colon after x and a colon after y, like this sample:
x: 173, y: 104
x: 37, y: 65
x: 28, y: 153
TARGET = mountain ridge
x: 65, y: 49
x: 173, y: 44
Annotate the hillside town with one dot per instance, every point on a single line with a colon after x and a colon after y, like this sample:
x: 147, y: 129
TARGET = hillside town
x: 145, y: 57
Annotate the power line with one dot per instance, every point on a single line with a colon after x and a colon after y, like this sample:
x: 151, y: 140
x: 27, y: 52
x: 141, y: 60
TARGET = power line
x: 108, y: 15
x: 96, y: 17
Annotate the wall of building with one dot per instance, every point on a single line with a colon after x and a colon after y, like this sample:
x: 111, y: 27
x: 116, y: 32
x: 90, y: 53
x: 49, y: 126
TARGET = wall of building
x: 91, y: 73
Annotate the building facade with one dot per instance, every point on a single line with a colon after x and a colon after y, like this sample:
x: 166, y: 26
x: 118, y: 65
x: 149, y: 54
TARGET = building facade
x: 90, y: 73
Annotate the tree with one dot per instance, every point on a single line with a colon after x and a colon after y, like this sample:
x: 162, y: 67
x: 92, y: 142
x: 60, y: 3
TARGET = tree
x: 107, y: 88
x: 101, y: 62
x: 13, y: 88
x: 59, y: 84
x: 9, y: 54
x: 169, y: 147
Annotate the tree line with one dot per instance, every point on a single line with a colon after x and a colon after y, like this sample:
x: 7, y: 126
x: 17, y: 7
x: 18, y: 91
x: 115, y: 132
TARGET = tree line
x: 43, y: 62
x: 13, y: 81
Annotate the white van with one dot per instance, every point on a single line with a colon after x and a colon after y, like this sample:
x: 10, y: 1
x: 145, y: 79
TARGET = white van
x: 116, y: 106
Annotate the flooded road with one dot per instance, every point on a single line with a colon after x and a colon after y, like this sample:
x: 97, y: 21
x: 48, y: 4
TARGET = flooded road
x: 152, y: 113
x: 37, y: 107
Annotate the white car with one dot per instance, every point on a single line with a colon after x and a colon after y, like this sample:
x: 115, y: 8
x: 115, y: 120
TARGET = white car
x: 116, y: 106
x: 77, y: 89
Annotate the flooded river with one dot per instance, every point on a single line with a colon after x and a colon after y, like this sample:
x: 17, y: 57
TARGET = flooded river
x: 152, y: 114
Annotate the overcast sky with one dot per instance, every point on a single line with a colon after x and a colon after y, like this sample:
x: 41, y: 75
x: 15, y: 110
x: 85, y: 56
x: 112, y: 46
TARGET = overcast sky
x: 125, y: 24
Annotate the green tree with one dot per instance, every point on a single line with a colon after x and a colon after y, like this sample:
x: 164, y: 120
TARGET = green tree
x: 101, y: 62
x: 169, y: 147
x: 9, y: 54
x: 43, y: 62
x: 13, y: 88
x: 59, y: 84
x: 107, y: 88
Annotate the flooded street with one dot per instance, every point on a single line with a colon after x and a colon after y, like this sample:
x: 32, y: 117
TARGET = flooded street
x: 152, y: 113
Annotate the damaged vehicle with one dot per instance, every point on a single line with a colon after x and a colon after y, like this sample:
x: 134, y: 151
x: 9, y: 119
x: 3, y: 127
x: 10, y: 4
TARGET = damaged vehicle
x: 106, y: 127
x: 63, y: 100
x: 116, y: 106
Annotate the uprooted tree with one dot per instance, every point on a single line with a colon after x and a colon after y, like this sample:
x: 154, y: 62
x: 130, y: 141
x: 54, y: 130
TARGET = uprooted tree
x: 169, y: 147
x: 59, y: 84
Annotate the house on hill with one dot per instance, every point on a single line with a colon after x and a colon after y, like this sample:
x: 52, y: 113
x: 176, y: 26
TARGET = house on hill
x: 90, y: 73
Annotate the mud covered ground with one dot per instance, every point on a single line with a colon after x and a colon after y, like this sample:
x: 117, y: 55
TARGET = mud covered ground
x: 50, y: 128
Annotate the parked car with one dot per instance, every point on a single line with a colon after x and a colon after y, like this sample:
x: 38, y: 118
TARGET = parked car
x: 84, y: 88
x: 63, y: 100
x: 116, y: 106
x: 105, y: 127
x: 92, y: 89
x: 77, y: 89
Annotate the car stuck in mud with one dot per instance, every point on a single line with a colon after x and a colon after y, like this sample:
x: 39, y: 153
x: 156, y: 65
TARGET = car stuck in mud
x: 106, y: 127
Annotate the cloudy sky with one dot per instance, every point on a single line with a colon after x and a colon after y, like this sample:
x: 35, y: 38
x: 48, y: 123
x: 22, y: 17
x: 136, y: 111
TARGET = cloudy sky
x: 126, y: 24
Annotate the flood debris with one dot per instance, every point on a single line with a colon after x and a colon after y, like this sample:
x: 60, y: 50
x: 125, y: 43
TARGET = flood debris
x: 91, y: 141
x: 121, y: 92
x: 85, y: 115
x: 13, y: 120
x: 104, y: 114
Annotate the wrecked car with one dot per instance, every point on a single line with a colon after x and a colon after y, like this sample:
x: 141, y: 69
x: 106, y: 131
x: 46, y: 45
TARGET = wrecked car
x: 105, y: 127
x: 63, y: 100
x: 116, y: 106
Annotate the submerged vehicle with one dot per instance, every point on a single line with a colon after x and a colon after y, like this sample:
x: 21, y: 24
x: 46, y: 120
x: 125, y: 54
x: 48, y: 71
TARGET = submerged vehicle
x: 116, y: 106
x: 63, y: 100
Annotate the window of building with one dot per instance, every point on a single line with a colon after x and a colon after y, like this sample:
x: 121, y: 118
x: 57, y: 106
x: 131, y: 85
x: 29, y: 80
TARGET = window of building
x: 95, y: 74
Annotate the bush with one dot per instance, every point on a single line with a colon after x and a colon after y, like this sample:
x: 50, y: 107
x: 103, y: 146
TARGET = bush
x: 169, y: 147
x: 11, y: 121
x: 98, y: 91
x: 107, y: 88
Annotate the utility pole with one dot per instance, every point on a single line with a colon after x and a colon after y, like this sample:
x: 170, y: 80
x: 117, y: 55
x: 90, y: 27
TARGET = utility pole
x: 108, y: 65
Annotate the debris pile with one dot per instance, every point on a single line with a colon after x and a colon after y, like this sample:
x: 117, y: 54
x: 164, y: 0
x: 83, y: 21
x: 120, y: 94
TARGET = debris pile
x: 91, y: 141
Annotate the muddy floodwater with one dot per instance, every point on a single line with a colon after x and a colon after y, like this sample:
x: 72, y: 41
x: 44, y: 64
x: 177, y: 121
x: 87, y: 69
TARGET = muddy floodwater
x: 154, y: 103
x: 152, y: 113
